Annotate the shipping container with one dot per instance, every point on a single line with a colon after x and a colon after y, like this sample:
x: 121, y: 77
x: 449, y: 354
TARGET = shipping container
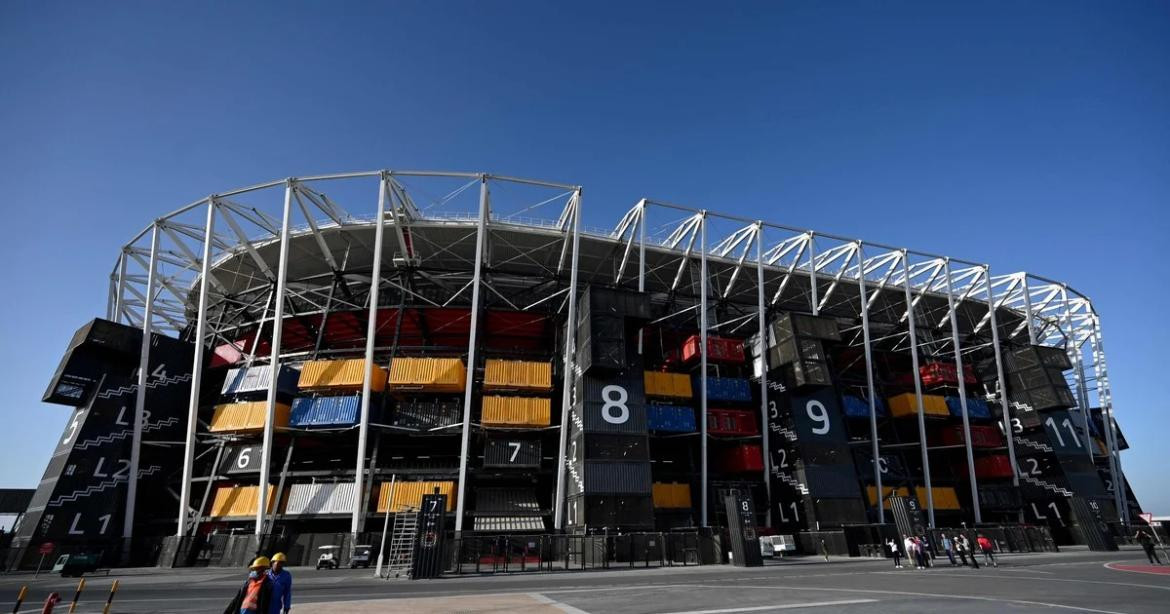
x: 406, y: 495
x: 611, y: 402
x: 346, y: 374
x: 243, y: 380
x: 605, y: 477
x: 239, y: 501
x: 517, y: 375
x: 511, y: 452
x: 325, y: 411
x: 515, y: 412
x: 670, y: 418
x: 743, y: 458
x: 945, y: 497
x: 428, y: 414
x: 736, y: 422
x: 792, y: 324
x: 320, y: 498
x: 977, y: 409
x: 437, y: 375
x: 719, y: 349
x: 945, y: 374
x: 668, y: 385
x: 982, y: 436
x: 857, y: 407
x: 904, y: 405
x: 994, y: 466
x: 887, y: 491
x: 733, y: 389
x: 671, y: 495
x: 246, y: 417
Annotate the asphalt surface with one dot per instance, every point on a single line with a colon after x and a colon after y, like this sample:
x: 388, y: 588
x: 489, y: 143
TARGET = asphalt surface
x: 1076, y: 581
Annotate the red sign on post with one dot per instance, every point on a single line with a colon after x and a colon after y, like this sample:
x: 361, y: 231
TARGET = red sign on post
x: 47, y: 548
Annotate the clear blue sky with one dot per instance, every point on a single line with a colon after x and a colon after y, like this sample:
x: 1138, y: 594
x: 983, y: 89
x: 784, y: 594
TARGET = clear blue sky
x: 1029, y: 135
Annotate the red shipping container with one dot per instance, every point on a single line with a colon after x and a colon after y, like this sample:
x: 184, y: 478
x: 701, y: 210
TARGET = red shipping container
x: 981, y: 436
x: 744, y: 458
x: 719, y: 349
x: 734, y: 422
x: 997, y: 466
x: 944, y: 373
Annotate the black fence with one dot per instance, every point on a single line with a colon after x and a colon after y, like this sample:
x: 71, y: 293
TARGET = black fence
x: 520, y: 553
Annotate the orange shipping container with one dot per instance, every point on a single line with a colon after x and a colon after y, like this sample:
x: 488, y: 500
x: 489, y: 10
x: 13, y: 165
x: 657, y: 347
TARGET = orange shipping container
x: 405, y: 495
x: 517, y: 375
x: 246, y: 417
x: 870, y: 491
x: 668, y: 385
x: 340, y: 374
x: 239, y: 501
x: 945, y: 498
x: 428, y: 374
x: 906, y: 404
x: 671, y: 495
x: 515, y: 411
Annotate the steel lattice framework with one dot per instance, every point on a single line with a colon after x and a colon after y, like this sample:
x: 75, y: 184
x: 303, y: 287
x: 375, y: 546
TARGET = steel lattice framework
x: 244, y: 258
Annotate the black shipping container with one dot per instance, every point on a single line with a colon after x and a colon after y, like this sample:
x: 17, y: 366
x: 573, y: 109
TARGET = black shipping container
x: 617, y: 478
x: 612, y: 403
x: 511, y: 452
x: 613, y: 512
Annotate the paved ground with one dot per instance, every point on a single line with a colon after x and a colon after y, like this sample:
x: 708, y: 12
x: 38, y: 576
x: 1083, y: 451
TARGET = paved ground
x: 1112, y: 582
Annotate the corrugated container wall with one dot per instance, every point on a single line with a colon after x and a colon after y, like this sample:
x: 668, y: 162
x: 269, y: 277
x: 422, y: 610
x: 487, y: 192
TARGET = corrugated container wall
x: 733, y: 389
x: 670, y: 418
x: 672, y: 495
x: 906, y: 404
x: 325, y: 411
x: 615, y: 478
x: 236, y: 501
x: 438, y: 375
x: 243, y: 380
x: 246, y: 417
x: 517, y: 375
x: 405, y: 495
x: 508, y: 452
x: 870, y: 491
x: 340, y: 375
x: 515, y: 411
x: 945, y: 497
x: 976, y: 408
x: 323, y: 498
x: 668, y: 385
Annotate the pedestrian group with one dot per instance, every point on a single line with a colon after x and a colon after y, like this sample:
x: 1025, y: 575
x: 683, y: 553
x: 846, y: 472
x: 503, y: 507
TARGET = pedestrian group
x: 920, y: 552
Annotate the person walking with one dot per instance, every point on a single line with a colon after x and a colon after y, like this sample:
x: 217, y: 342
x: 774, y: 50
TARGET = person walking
x: 895, y: 552
x: 919, y: 553
x: 988, y: 550
x: 281, y: 585
x: 927, y: 552
x: 1144, y: 538
x: 970, y: 551
x: 949, y: 548
x: 911, y: 550
x: 255, y: 596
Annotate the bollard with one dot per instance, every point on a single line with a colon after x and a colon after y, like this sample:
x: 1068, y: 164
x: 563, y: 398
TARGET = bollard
x: 20, y: 598
x: 50, y: 601
x: 110, y: 599
x: 76, y: 596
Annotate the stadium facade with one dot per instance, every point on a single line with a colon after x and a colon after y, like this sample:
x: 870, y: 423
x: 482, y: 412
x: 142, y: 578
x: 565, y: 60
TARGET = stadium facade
x: 354, y: 341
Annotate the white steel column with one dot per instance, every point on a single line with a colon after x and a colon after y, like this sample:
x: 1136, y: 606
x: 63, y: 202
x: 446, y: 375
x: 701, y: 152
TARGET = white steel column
x: 121, y: 296
x: 358, y: 518
x: 1074, y: 353
x: 703, y: 361
x: 1028, y: 311
x: 873, y: 427
x: 196, y: 370
x: 763, y: 324
x: 140, y: 393
x: 277, y: 329
x: 1005, y: 406
x: 951, y: 307
x: 568, y: 365
x: 1106, y: 399
x: 465, y: 440
x: 918, y: 388
x: 812, y: 271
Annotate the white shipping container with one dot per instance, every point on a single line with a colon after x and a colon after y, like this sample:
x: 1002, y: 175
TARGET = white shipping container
x: 320, y: 498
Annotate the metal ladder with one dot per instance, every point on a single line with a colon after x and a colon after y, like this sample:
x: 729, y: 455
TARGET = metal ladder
x: 402, y: 539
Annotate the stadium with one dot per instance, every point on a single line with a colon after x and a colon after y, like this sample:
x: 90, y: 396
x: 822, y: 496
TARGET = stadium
x: 303, y: 361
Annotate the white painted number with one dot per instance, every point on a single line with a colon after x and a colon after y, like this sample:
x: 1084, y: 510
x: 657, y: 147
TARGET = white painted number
x: 105, y: 523
x: 883, y: 464
x: 614, y: 411
x: 1067, y: 425
x: 1017, y: 426
x: 515, y: 445
x: 1035, y: 470
x: 783, y: 457
x: 244, y: 459
x: 772, y: 411
x: 795, y: 513
x: 821, y: 416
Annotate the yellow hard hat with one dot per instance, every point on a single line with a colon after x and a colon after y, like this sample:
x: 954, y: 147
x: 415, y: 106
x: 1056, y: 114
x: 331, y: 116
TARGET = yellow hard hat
x: 279, y: 557
x: 261, y: 561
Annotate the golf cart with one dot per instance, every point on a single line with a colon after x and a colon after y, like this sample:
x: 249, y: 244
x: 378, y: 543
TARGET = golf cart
x: 328, y: 557
x: 361, y: 557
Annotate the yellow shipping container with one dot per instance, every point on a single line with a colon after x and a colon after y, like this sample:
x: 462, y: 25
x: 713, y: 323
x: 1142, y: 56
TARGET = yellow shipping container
x: 239, y: 501
x: 515, y: 411
x: 905, y: 404
x: 670, y: 385
x: 340, y: 374
x: 945, y: 498
x: 428, y: 374
x: 246, y: 417
x: 517, y: 375
x: 671, y: 495
x: 409, y: 495
x: 870, y: 491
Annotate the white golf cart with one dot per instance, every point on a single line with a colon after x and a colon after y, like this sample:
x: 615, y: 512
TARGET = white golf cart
x: 328, y: 557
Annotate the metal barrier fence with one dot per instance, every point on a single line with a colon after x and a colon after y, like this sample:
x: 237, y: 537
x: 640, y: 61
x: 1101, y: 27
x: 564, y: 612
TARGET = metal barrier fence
x: 519, y: 553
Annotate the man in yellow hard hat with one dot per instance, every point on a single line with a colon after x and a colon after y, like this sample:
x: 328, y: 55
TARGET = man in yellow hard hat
x: 281, y: 585
x: 255, y: 596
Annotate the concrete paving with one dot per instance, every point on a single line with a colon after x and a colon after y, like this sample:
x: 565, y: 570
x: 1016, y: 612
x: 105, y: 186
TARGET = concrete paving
x: 1074, y: 580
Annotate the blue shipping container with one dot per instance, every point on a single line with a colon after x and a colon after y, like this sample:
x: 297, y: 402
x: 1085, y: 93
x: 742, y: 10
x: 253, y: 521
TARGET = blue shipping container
x: 976, y: 408
x: 325, y: 411
x: 725, y: 389
x: 857, y: 407
x: 670, y: 418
